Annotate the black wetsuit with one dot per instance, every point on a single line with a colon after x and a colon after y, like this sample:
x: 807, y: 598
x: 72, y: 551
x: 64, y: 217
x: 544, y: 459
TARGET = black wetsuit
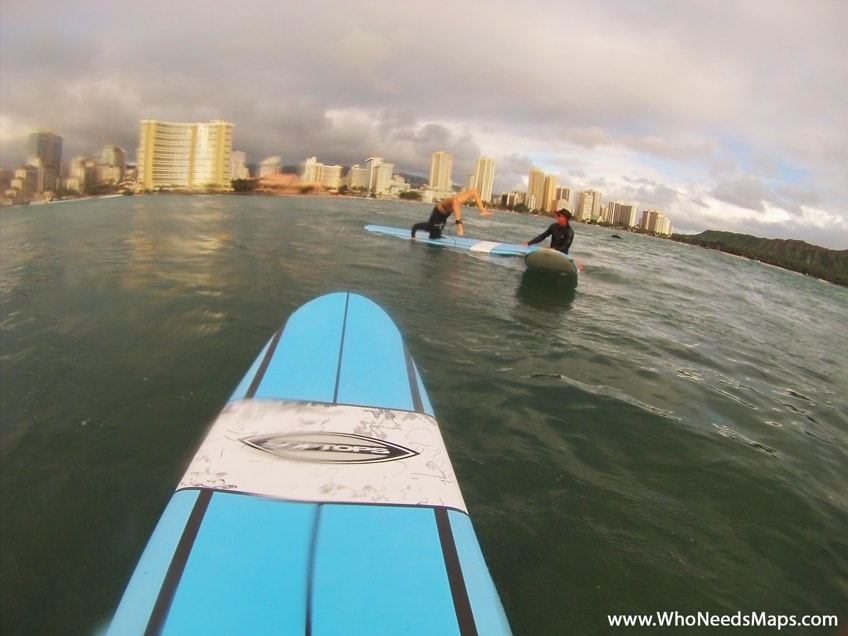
x: 561, y: 237
x: 435, y: 224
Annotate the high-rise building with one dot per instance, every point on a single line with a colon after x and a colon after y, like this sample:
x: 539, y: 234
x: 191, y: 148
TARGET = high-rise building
x: 184, y: 155
x: 111, y: 164
x: 81, y: 177
x: 270, y: 166
x: 164, y: 155
x: 656, y: 222
x: 25, y: 182
x: 441, y: 166
x: 484, y: 177
x: 512, y: 199
x: 563, y: 198
x: 549, y: 189
x: 46, y: 147
x: 588, y: 206
x: 619, y: 213
x: 239, y: 165
x: 328, y: 177
x: 357, y: 178
x: 111, y: 155
x: 44, y: 151
x: 213, y: 155
x: 379, y: 175
x: 535, y: 189
x: 309, y: 173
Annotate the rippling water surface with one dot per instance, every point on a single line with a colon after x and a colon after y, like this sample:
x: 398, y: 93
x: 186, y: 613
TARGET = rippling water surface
x: 671, y: 435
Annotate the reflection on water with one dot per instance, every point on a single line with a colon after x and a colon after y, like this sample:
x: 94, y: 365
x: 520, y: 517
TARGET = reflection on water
x: 179, y: 255
x: 547, y: 290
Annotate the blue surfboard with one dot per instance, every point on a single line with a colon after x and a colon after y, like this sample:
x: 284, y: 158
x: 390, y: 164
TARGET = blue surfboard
x: 321, y: 502
x: 457, y: 242
x: 535, y: 256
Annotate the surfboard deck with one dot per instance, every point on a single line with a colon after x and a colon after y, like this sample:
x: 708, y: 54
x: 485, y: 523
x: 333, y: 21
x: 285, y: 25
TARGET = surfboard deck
x: 322, y: 501
x: 551, y: 260
x: 457, y: 242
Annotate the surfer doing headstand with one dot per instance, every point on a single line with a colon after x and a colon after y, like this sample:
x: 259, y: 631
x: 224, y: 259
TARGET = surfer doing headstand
x: 560, y: 232
x: 439, y: 217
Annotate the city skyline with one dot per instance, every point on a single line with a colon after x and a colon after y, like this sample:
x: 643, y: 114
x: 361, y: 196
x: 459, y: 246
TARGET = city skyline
x: 636, y: 100
x: 199, y: 156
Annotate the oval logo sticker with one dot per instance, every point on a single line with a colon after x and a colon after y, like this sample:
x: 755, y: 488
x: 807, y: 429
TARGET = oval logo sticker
x: 329, y: 448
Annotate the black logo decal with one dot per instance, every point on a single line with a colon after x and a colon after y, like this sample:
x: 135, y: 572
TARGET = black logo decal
x: 329, y: 448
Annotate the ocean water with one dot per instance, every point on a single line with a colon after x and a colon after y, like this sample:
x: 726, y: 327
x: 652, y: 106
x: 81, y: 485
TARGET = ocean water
x: 669, y: 436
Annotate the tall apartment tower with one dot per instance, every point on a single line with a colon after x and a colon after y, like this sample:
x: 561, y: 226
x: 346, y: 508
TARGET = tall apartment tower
x: 484, y: 177
x: 622, y: 214
x: 239, y: 165
x: 357, y: 177
x: 329, y: 177
x: 379, y: 175
x: 563, y: 197
x: 116, y: 157
x: 44, y: 152
x: 656, y: 222
x: 549, y: 194
x: 535, y: 189
x: 44, y: 148
x: 588, y: 205
x: 441, y: 166
x: 184, y: 155
x: 213, y: 155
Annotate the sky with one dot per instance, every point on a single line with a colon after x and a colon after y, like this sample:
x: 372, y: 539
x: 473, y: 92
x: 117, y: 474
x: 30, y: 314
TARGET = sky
x: 723, y: 114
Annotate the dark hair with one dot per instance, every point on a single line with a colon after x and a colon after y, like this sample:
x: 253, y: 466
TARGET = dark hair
x: 564, y: 213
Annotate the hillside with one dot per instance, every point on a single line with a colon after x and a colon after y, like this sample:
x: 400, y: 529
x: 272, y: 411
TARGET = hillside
x: 798, y: 256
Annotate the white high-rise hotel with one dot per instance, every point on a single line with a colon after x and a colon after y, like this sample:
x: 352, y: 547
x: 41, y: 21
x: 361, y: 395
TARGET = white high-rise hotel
x: 179, y: 155
x: 484, y: 177
x: 441, y: 166
x: 379, y: 175
x: 588, y: 206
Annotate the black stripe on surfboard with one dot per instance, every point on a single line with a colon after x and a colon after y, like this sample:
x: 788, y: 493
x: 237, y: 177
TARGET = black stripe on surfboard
x: 417, y: 402
x: 266, y: 361
x: 461, y: 603
x: 177, y: 566
x: 341, y: 350
x: 310, y: 577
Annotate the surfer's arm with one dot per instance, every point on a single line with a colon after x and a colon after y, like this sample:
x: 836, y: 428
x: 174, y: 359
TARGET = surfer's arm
x: 539, y: 238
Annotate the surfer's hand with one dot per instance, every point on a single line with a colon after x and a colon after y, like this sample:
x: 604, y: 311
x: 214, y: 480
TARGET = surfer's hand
x: 525, y: 244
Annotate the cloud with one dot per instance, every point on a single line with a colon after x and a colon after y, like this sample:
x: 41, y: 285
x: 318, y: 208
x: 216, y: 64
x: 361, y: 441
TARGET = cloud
x: 718, y: 116
x: 747, y: 193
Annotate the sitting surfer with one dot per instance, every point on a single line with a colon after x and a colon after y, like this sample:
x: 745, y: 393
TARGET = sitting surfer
x: 560, y: 232
x: 439, y: 217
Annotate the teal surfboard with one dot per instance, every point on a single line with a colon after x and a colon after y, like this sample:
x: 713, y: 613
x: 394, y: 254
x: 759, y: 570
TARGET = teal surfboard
x: 321, y: 502
x: 550, y: 260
